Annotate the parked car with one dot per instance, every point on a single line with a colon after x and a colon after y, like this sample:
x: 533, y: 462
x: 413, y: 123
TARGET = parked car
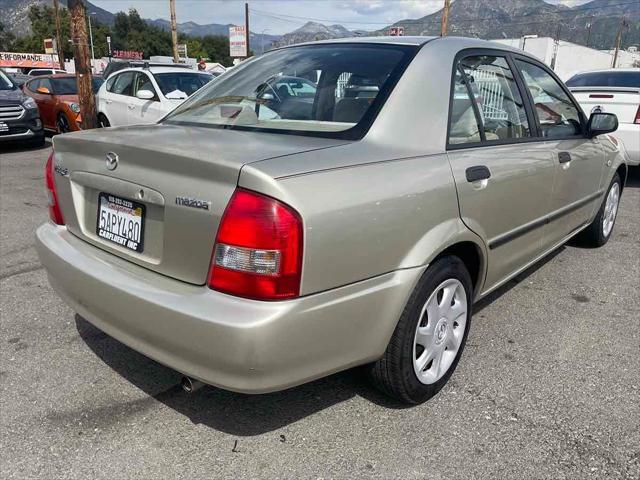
x: 256, y: 252
x: 57, y: 99
x: 145, y: 95
x: 116, y: 65
x: 37, y: 72
x: 18, y: 79
x: 19, y: 117
x: 615, y: 91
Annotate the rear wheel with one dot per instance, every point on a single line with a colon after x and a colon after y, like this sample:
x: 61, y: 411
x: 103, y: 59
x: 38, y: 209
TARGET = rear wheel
x: 103, y: 121
x: 599, y: 232
x: 430, y: 336
x: 62, y: 123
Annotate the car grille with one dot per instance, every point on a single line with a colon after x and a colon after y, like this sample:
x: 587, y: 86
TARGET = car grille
x: 11, y: 112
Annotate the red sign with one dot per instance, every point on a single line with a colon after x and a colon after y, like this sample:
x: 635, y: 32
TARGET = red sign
x: 28, y: 60
x: 127, y: 54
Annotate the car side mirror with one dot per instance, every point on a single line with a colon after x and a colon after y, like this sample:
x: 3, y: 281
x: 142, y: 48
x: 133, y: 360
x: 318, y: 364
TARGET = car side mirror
x: 600, y: 123
x: 145, y: 95
x: 44, y: 90
x: 267, y: 96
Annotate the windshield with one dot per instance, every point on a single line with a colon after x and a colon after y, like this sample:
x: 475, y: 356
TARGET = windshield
x: 181, y: 84
x: 325, y: 90
x: 5, y: 82
x: 606, y: 79
x: 69, y: 86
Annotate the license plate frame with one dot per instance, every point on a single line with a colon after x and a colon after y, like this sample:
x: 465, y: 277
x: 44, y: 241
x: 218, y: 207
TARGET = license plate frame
x: 128, y: 212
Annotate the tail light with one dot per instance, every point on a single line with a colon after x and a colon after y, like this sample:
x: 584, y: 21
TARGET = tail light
x: 55, y: 214
x: 637, y: 119
x: 258, y: 250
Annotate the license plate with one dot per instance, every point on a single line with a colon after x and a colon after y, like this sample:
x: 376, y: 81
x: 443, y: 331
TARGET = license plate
x: 120, y: 221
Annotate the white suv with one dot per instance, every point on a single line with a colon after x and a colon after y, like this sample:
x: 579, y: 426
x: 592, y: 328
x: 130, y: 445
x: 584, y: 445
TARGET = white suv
x: 145, y: 95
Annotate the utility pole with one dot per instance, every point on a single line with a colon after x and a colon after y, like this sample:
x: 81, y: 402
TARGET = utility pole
x: 556, y: 47
x: 618, y: 40
x: 59, y: 45
x: 174, y: 30
x: 246, y: 27
x: 445, y: 19
x: 589, y: 29
x: 81, y: 59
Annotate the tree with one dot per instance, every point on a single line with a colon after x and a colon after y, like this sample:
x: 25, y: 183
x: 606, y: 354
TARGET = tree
x: 6, y: 38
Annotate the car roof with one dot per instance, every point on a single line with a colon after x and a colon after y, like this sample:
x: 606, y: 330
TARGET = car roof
x: 611, y: 70
x: 463, y: 42
x: 155, y: 69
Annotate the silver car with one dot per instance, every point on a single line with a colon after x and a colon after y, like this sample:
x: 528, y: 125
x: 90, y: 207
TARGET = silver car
x: 325, y: 206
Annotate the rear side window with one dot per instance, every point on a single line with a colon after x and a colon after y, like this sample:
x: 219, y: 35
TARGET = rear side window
x: 606, y: 79
x: 110, y: 83
x: 557, y: 115
x: 500, y: 115
x: 124, y: 84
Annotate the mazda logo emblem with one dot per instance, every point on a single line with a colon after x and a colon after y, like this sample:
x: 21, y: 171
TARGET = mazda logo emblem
x: 112, y: 160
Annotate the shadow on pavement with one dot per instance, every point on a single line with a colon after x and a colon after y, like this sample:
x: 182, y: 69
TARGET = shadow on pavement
x: 13, y: 147
x: 232, y: 413
x: 633, y: 179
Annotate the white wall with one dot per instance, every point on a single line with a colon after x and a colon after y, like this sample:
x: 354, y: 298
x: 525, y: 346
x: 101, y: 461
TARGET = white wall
x: 571, y: 58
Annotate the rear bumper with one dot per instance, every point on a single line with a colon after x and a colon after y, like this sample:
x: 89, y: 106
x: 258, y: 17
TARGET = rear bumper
x: 237, y: 344
x: 629, y: 134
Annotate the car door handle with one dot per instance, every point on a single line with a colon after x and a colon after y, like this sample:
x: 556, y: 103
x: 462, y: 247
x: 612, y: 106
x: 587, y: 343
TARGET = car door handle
x: 564, y: 157
x: 109, y: 102
x: 478, y: 172
x: 131, y: 107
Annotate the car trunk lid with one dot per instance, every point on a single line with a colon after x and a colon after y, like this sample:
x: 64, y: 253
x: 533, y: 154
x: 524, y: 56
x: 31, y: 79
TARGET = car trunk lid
x: 179, y: 179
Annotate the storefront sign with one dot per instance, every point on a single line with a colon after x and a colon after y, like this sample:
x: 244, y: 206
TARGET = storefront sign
x: 28, y: 60
x: 127, y: 54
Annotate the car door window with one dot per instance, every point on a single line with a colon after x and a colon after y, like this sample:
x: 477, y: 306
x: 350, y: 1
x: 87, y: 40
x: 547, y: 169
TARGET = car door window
x: 33, y: 85
x: 110, y: 82
x: 556, y: 114
x: 464, y: 127
x: 46, y: 83
x: 494, y: 89
x: 124, y: 84
x: 143, y: 82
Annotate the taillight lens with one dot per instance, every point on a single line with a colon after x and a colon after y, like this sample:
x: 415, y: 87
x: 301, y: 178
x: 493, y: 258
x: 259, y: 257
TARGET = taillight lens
x: 258, y: 250
x: 55, y: 214
x: 637, y: 119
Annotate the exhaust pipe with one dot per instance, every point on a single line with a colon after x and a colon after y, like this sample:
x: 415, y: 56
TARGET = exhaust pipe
x: 190, y: 385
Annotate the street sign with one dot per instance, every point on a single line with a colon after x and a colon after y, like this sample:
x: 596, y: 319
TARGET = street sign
x: 396, y: 31
x: 182, y: 50
x: 48, y: 46
x: 237, y: 42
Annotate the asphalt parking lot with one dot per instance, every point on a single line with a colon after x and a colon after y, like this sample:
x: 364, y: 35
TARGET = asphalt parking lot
x: 548, y: 386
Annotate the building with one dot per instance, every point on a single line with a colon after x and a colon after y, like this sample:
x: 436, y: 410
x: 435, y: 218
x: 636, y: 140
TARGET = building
x: 568, y: 58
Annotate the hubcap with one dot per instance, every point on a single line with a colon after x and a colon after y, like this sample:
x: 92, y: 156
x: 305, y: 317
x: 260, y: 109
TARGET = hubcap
x: 440, y: 331
x: 610, y: 209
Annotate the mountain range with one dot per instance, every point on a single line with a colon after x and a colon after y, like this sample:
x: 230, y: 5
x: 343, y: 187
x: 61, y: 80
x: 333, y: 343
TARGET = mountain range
x: 473, y: 18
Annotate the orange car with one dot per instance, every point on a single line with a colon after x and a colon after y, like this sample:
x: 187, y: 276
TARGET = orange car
x: 57, y: 99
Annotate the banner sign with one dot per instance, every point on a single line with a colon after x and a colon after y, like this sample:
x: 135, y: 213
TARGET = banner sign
x: 127, y: 55
x: 237, y: 42
x: 28, y: 60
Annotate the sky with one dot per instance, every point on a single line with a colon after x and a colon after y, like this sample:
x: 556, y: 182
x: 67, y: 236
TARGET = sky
x: 277, y: 17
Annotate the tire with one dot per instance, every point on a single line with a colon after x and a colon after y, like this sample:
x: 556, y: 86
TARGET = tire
x: 62, y: 123
x: 600, y: 230
x: 404, y: 372
x: 103, y: 121
x: 38, y: 142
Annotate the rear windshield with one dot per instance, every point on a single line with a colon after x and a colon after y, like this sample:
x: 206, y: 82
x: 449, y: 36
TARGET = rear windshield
x: 69, y: 86
x: 322, y: 90
x: 606, y: 79
x: 181, y: 84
